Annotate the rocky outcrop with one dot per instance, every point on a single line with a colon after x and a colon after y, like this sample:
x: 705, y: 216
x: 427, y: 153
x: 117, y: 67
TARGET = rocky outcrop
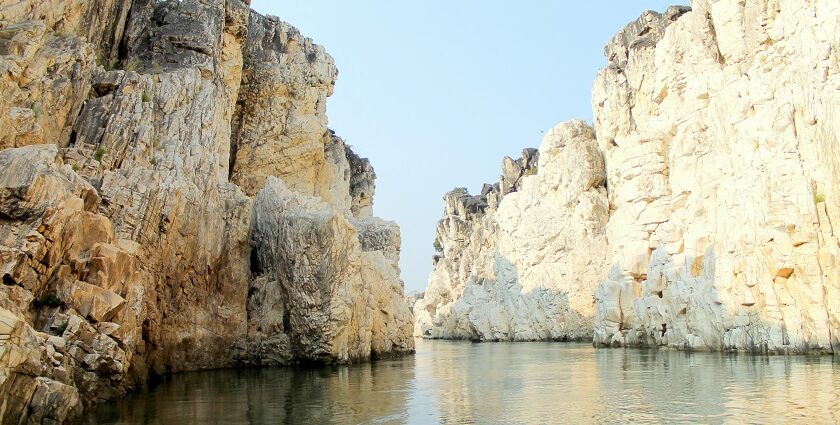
x: 72, y: 295
x: 281, y: 114
x: 362, y: 185
x: 146, y: 150
x: 322, y: 289
x: 49, y: 50
x: 719, y: 129
x: 505, y: 269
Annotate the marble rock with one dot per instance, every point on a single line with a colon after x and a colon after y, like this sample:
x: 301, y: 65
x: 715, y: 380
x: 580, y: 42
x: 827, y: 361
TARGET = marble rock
x: 509, y: 271
x: 719, y: 128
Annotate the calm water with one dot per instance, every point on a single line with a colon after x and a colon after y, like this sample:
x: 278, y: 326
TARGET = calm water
x: 461, y: 382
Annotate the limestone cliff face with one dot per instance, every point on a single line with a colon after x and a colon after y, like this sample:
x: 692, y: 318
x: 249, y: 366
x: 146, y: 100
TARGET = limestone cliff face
x: 718, y: 128
x: 171, y: 199
x: 505, y: 271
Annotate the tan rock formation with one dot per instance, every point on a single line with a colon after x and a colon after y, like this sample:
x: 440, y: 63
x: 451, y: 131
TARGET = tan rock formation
x: 126, y: 227
x: 282, y: 121
x: 61, y: 264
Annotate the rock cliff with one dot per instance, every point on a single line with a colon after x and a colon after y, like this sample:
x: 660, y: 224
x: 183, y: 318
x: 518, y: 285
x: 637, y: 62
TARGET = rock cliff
x: 720, y: 131
x: 506, y: 269
x: 707, y: 219
x: 172, y: 199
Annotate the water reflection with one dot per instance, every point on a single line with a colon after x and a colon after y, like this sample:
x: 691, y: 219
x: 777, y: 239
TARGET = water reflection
x: 260, y: 396
x: 460, y: 382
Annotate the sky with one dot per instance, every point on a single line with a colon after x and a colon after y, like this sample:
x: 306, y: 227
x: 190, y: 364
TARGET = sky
x: 437, y: 92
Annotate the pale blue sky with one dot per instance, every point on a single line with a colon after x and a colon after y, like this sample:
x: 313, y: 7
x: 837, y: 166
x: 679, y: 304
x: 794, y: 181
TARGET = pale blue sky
x: 436, y: 92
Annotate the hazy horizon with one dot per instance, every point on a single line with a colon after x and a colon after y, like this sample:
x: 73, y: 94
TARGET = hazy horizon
x: 436, y: 96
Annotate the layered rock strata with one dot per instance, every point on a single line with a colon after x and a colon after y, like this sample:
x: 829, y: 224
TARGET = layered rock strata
x: 171, y: 199
x: 718, y: 129
x: 505, y: 269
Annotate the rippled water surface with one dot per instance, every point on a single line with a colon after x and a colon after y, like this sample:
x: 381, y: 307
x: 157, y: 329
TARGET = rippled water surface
x: 461, y: 382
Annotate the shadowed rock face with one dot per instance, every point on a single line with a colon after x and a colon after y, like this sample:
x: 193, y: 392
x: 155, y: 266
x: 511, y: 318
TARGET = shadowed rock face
x: 362, y: 185
x: 130, y: 240
x: 340, y: 297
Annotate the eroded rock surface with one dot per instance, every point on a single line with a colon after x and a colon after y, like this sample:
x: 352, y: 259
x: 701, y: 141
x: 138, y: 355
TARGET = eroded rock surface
x: 340, y: 295
x: 134, y: 136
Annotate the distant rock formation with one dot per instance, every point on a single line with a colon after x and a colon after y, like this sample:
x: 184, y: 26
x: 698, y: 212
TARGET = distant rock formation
x: 172, y: 199
x: 505, y: 271
x: 719, y: 136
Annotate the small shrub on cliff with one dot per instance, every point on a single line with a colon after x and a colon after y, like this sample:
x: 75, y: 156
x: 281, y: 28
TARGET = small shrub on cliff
x: 107, y: 64
x: 437, y: 246
x: 59, y: 330
x: 531, y: 171
x: 819, y: 198
x: 99, y: 153
x: 131, y: 65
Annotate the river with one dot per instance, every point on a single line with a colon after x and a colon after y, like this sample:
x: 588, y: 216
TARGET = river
x: 529, y: 383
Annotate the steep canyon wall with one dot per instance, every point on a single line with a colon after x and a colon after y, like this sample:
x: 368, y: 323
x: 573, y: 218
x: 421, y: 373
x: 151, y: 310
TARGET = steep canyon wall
x: 720, y: 133
x: 708, y: 224
x: 172, y: 199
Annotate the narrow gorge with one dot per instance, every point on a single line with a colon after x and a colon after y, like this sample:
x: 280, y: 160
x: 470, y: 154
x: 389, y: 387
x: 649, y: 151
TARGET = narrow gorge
x: 698, y: 211
x: 171, y: 199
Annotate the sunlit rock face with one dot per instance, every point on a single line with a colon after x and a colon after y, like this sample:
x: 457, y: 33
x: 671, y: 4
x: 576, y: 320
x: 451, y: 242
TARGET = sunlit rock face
x: 506, y: 270
x: 720, y: 130
x: 132, y: 148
